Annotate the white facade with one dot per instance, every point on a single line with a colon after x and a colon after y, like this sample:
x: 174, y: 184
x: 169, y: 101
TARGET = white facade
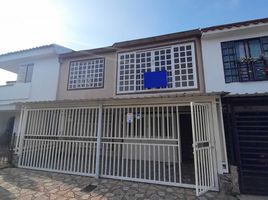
x: 44, y: 75
x: 40, y: 84
x: 213, y: 63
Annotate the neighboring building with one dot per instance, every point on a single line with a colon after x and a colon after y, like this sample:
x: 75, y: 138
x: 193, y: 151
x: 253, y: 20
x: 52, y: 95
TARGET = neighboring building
x: 235, y: 58
x: 136, y: 110
x: 37, y: 72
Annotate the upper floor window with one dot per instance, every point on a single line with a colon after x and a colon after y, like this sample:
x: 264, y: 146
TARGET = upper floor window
x: 177, y: 61
x: 245, y: 60
x: 25, y: 73
x: 86, y: 74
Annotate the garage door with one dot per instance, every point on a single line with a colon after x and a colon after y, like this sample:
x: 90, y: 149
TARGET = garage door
x: 252, y: 138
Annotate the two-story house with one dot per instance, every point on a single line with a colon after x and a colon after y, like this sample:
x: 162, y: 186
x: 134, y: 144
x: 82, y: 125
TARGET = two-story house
x: 235, y: 58
x: 37, y: 72
x: 136, y: 110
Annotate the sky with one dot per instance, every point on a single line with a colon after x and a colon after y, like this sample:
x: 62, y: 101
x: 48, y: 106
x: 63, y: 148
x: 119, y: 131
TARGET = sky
x: 86, y: 24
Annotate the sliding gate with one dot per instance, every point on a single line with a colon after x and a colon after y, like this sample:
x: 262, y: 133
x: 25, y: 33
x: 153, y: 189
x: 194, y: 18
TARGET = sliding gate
x: 62, y: 140
x: 140, y: 143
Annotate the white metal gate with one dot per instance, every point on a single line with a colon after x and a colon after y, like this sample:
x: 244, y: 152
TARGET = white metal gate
x: 201, y: 128
x: 139, y: 143
x: 142, y: 143
x: 60, y: 139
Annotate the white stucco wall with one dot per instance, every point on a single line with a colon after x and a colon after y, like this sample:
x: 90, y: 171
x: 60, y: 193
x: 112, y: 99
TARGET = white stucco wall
x: 213, y: 65
x: 45, y: 79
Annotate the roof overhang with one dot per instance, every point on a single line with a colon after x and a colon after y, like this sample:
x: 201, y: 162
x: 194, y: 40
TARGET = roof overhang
x: 158, y: 39
x: 186, y: 97
x: 10, y: 61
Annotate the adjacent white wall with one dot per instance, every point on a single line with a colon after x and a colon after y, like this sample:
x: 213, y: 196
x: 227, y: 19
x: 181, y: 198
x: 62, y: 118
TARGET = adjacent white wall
x: 45, y: 79
x: 213, y: 65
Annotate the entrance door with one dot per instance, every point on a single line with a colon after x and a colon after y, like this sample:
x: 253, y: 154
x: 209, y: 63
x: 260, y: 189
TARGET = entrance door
x: 201, y: 129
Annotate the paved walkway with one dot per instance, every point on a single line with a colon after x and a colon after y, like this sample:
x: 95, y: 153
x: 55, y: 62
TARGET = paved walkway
x: 30, y: 184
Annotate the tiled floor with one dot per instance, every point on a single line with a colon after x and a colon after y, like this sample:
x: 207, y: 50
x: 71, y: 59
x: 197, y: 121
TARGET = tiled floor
x: 30, y: 184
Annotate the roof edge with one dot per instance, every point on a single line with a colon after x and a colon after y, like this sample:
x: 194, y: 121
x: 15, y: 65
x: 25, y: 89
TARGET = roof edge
x: 160, y: 38
x: 87, y: 52
x: 54, y: 46
x: 235, y: 24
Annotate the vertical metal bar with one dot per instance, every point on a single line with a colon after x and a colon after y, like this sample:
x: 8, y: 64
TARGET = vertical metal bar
x: 72, y: 156
x: 131, y: 158
x: 19, y: 132
x: 65, y: 155
x: 169, y: 170
x: 140, y: 161
x: 172, y: 123
x: 136, y: 123
x: 149, y: 123
x: 60, y: 158
x: 149, y: 160
x: 68, y: 166
x: 174, y: 164
x: 49, y: 154
x: 159, y: 162
x: 82, y: 155
x: 154, y: 122
x: 27, y: 153
x: 108, y: 124
x: 78, y: 128
x: 35, y: 155
x: 116, y: 124
x: 118, y: 157
x: 114, y: 159
x: 96, y: 122
x: 110, y: 157
x: 194, y: 147
x: 106, y: 157
x: 144, y: 123
x: 75, y: 123
x: 22, y: 132
x: 91, y: 156
x: 135, y: 167
x: 179, y: 142
x: 99, y: 133
x: 31, y: 153
x: 120, y: 124
x: 164, y: 162
x: 163, y: 122
x: 168, y: 125
x: 94, y: 159
x: 56, y: 154
x: 86, y: 166
x: 123, y: 154
x: 158, y: 123
x: 44, y: 154
x: 79, y: 155
x: 127, y: 153
x: 145, y: 162
x: 45, y: 125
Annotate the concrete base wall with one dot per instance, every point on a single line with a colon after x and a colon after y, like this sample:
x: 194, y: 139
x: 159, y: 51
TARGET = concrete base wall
x: 229, y: 182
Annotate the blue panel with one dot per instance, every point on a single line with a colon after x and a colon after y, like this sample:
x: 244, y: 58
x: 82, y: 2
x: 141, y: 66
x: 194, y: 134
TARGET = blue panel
x: 155, y: 79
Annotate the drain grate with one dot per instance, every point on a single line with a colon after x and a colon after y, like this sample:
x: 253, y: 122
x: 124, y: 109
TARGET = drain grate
x: 88, y: 188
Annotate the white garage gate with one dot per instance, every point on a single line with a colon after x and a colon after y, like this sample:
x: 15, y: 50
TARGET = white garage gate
x: 139, y: 143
